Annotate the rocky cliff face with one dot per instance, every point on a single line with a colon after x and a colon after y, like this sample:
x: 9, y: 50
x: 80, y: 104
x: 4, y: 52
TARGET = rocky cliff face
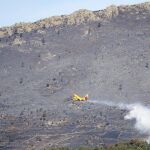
x: 76, y: 18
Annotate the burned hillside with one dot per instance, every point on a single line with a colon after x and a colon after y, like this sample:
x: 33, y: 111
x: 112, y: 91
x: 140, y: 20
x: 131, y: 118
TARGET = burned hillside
x: 104, y: 53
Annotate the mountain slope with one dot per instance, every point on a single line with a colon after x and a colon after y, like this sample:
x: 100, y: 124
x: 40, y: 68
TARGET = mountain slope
x: 103, y: 53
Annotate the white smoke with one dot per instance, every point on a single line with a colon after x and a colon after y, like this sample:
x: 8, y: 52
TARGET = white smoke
x: 142, y: 116
x: 140, y: 113
x: 109, y: 103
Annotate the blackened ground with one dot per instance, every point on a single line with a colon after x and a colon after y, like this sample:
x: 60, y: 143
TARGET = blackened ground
x: 109, y: 62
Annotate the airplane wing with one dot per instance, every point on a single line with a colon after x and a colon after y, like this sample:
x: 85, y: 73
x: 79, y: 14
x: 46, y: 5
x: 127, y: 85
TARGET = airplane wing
x: 77, y: 97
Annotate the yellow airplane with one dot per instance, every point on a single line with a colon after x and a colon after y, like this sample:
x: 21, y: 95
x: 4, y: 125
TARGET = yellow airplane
x: 76, y: 97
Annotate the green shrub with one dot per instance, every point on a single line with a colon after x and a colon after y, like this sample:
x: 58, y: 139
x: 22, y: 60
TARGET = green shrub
x: 131, y: 145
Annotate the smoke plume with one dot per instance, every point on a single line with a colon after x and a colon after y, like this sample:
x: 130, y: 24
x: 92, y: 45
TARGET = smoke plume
x: 136, y: 111
x: 142, y: 116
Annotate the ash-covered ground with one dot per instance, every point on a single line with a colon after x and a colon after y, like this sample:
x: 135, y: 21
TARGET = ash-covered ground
x: 109, y: 60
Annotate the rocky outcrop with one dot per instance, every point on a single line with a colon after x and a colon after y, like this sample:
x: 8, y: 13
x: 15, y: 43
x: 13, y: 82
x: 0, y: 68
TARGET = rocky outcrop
x: 140, y: 7
x: 76, y: 18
